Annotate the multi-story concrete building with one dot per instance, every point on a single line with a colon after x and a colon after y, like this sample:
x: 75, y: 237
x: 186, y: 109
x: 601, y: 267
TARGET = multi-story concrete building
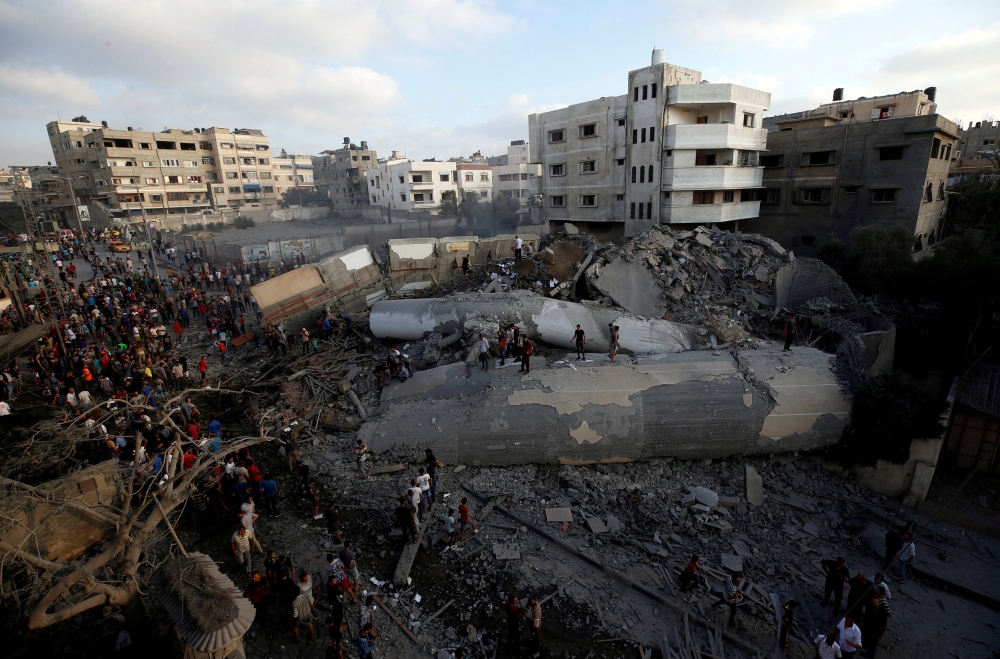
x: 400, y: 184
x: 674, y: 150
x: 977, y: 152
x: 513, y: 175
x: 856, y: 162
x: 8, y: 182
x: 340, y: 175
x: 237, y: 166
x: 292, y: 176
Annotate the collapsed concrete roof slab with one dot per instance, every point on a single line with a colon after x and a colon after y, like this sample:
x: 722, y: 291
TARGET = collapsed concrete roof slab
x: 631, y: 287
x: 687, y: 405
x: 543, y: 319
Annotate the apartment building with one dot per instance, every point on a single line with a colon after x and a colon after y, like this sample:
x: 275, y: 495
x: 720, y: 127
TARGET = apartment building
x: 977, y: 151
x: 8, y: 183
x: 674, y: 149
x: 855, y: 162
x: 340, y: 175
x: 238, y: 166
x: 513, y: 175
x: 292, y: 174
x: 401, y: 184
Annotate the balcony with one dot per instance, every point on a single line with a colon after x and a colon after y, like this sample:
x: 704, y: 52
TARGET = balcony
x: 709, y: 213
x: 709, y: 94
x: 423, y: 185
x: 715, y: 136
x: 712, y: 177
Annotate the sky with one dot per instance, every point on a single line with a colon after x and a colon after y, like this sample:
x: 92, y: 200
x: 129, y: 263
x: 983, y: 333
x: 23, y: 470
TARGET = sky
x: 443, y: 78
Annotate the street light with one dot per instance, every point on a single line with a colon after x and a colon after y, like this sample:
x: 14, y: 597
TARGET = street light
x: 145, y: 224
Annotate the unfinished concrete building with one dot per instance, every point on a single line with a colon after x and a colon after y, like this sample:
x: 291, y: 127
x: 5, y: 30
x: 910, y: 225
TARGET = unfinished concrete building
x: 339, y: 175
x: 674, y: 149
x: 851, y: 163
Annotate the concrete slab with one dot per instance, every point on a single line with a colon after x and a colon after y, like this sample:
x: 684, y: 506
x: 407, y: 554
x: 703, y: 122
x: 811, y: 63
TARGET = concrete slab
x: 632, y: 287
x: 755, y: 487
x: 558, y: 515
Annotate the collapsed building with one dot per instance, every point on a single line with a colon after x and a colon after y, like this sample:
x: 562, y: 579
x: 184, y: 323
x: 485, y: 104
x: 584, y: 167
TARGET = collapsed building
x: 699, y: 313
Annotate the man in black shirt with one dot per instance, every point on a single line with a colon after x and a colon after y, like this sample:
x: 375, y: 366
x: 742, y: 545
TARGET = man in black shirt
x: 431, y: 463
x: 859, y: 586
x: 581, y: 338
x: 836, y: 576
x: 404, y: 518
x: 873, y: 626
x: 791, y: 331
x: 893, y: 543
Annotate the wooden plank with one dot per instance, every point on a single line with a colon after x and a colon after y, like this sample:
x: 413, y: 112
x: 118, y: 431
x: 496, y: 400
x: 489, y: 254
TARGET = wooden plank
x: 438, y: 612
x: 397, y: 620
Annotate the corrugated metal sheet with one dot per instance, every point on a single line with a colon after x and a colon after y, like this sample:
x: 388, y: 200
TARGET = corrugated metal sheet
x: 207, y: 641
x: 981, y: 389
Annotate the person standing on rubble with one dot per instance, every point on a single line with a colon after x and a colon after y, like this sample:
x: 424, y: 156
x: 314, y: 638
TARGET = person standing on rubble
x: 614, y: 342
x: 502, y: 346
x: 518, y: 248
x: 787, y: 622
x: 580, y: 337
x: 466, y: 265
x: 791, y: 331
x: 514, y: 617
x: 836, y: 576
x: 905, y: 557
x: 893, y: 543
x: 361, y: 450
x: 484, y: 352
x: 535, y: 619
x: 526, y: 350
x: 691, y: 576
x: 731, y: 595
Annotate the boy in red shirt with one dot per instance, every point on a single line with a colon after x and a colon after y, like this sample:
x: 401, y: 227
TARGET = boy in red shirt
x: 464, y: 518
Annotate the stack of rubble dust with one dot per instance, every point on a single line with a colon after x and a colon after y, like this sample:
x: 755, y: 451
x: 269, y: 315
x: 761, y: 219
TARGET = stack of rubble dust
x: 720, y: 281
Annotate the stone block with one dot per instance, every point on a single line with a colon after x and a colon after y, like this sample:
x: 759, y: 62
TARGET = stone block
x: 755, y: 487
x: 732, y: 563
x: 729, y: 502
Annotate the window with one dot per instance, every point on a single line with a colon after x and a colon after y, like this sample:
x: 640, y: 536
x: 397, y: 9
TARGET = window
x: 665, y: 195
x: 556, y: 136
x: 849, y: 189
x: 444, y: 178
x: 631, y: 211
x: 234, y: 189
x: 645, y: 92
x: 929, y: 193
x: 621, y: 122
x: 814, y: 195
x: 748, y: 120
x: 524, y: 177
x: 144, y: 145
x: 890, y: 153
x: 205, y: 146
x: 354, y: 158
x: 633, y: 174
x: 469, y: 176
x: 268, y: 188
x: 484, y: 177
x: 642, y: 135
x: 366, y: 158
x: 232, y: 175
x: 772, y: 196
x: 248, y: 161
x: 169, y: 162
x: 418, y: 178
x: 484, y: 194
x: 669, y: 153
x: 118, y: 181
x: 620, y: 162
x: 402, y: 196
x: 210, y: 176
x: 168, y: 146
x: 650, y: 174
x: 418, y: 196
x: 635, y: 136
x: 226, y: 145
x: 882, y: 113
x: 747, y: 158
x: 772, y: 161
x: 194, y: 179
x: 557, y: 201
x: 989, y: 142
x: 156, y: 197
x: 940, y: 194
x: 401, y: 180
x: 172, y: 179
x: 229, y: 161
x: 642, y: 174
x: 808, y: 241
x: 152, y: 181
x: 641, y: 208
x: 262, y: 147
x: 935, y: 148
x: 190, y: 163
x: 264, y: 161
x: 588, y: 130
x: 703, y: 197
x: 652, y: 90
x: 728, y: 196
x: 557, y: 170
x: 883, y: 196
x: 635, y: 94
x: 701, y: 120
x: 619, y: 197
x: 207, y: 160
x: 818, y: 158
x: 705, y: 160
x: 219, y: 190
x: 588, y: 167
x: 652, y: 133
x: 148, y: 163
x: 188, y: 146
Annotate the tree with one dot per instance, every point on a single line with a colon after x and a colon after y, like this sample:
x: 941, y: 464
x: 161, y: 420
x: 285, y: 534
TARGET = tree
x: 301, y: 197
x: 243, y: 222
x: 878, y: 259
x: 116, y: 574
x: 450, y: 204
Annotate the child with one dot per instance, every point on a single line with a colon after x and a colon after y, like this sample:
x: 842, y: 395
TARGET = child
x: 449, y: 527
x: 312, y: 491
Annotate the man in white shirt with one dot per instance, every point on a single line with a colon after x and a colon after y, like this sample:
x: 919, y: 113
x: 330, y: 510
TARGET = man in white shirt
x: 424, y: 483
x: 850, y: 638
x: 905, y: 556
x: 484, y: 352
x: 517, y: 248
x: 4, y: 408
x: 827, y: 646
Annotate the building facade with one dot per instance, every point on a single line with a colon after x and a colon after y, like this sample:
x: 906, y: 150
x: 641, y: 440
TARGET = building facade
x: 977, y: 153
x: 673, y: 150
x: 340, y: 175
x: 292, y: 176
x: 832, y: 169
x: 514, y: 176
x: 401, y: 184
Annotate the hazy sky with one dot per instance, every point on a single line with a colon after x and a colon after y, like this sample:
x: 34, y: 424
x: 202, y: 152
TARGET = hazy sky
x: 447, y: 77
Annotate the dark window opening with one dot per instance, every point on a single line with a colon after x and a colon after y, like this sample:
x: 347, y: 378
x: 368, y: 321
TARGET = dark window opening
x: 652, y: 133
x: 772, y: 196
x: 621, y: 122
x: 635, y: 95
x: 643, y: 135
x: 819, y: 158
x: 588, y: 130
x: 849, y: 189
x: 890, y: 153
x: 935, y: 148
x: 653, y: 90
x: 703, y: 197
x: 705, y: 160
x: 121, y: 144
x: 632, y: 211
x: 649, y: 210
x: 650, y: 173
x: 640, y: 212
x: 167, y: 146
x: 814, y: 195
x: 808, y: 240
x: 772, y: 161
x: 620, y: 161
x: 633, y: 174
x: 556, y: 136
x: 645, y: 91
x: 635, y: 136
x: 642, y: 175
x: 728, y: 196
x: 883, y: 196
x: 188, y: 146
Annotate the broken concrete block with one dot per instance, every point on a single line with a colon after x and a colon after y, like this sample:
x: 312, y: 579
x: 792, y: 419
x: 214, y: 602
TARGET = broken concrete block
x: 700, y: 508
x: 689, y: 498
x: 731, y: 562
x: 343, y: 386
x: 703, y: 239
x: 812, y: 529
x: 558, y: 515
x: 755, y: 487
x: 614, y: 524
x: 720, y: 525
x: 703, y: 495
x: 506, y: 552
x: 571, y: 229
x: 596, y: 525
x: 729, y: 502
x: 548, y: 256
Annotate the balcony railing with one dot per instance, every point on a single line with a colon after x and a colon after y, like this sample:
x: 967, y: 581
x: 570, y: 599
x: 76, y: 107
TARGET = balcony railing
x: 708, y: 213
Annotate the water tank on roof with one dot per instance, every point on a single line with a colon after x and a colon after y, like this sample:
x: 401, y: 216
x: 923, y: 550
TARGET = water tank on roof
x: 838, y: 94
x: 659, y: 57
x: 347, y: 140
x: 931, y: 93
